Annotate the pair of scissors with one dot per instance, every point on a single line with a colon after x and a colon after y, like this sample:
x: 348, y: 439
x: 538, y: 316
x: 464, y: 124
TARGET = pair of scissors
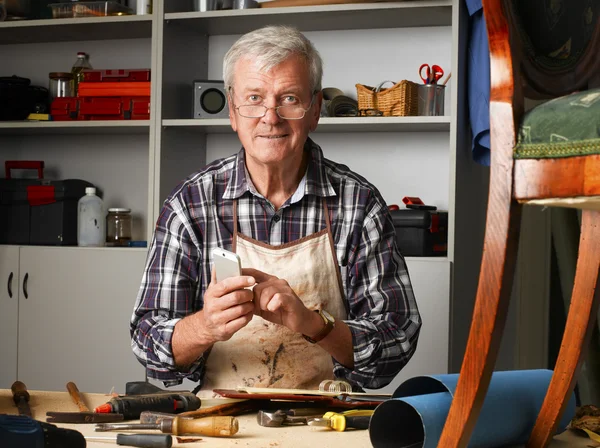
x: 433, y: 73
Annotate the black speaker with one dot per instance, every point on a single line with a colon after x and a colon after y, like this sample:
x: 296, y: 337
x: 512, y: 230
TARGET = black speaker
x: 210, y: 100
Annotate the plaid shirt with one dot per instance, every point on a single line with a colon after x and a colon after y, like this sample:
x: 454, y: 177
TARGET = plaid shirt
x: 198, y: 216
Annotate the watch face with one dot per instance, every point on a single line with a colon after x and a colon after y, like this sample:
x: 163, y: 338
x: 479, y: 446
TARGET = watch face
x: 328, y: 316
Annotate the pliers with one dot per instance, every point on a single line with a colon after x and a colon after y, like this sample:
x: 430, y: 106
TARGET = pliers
x: 339, y: 421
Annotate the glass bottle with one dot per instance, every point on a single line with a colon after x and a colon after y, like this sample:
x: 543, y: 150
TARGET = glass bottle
x: 118, y: 227
x: 81, y: 64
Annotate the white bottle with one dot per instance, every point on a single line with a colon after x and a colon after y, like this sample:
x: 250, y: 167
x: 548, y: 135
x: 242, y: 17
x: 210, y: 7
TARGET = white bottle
x: 91, y: 219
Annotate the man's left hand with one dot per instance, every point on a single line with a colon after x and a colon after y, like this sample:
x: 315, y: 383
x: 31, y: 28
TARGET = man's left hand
x: 276, y: 301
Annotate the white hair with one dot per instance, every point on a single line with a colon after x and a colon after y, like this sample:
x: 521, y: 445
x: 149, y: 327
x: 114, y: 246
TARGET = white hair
x: 270, y: 46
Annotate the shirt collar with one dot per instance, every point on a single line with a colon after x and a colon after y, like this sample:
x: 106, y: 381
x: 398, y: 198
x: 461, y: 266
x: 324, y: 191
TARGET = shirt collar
x: 315, y: 181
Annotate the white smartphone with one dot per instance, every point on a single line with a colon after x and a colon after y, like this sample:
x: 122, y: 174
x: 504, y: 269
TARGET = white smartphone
x: 227, y: 264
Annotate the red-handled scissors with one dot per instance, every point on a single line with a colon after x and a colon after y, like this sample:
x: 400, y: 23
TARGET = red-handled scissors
x: 432, y: 73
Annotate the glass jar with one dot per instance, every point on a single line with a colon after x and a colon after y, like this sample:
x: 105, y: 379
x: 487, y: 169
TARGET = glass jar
x: 60, y: 85
x: 118, y: 227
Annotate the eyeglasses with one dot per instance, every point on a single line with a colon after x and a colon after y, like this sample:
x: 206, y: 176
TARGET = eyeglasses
x: 295, y: 112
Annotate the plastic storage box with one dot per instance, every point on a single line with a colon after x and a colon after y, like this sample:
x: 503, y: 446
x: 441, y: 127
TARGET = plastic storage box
x: 421, y: 233
x: 39, y: 211
x: 88, y: 9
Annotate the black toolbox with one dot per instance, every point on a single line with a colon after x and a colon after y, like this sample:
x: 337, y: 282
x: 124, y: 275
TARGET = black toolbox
x: 39, y: 211
x: 421, y: 231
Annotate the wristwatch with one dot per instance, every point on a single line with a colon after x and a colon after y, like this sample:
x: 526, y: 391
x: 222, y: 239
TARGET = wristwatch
x: 329, y: 325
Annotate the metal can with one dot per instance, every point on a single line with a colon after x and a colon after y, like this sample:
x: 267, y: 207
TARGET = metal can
x: 118, y: 227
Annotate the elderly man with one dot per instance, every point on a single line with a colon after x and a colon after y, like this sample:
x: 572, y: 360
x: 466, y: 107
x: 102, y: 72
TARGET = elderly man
x: 324, y: 293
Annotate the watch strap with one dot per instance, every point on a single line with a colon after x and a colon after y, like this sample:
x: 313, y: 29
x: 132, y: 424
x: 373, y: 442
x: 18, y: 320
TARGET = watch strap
x: 329, y: 325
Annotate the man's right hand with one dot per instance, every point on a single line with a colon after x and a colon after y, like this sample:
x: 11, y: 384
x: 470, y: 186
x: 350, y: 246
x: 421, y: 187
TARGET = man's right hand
x: 228, y: 307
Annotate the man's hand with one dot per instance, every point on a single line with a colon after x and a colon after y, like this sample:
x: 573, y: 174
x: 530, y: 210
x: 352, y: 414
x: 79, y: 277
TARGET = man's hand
x: 275, y: 301
x: 227, y: 308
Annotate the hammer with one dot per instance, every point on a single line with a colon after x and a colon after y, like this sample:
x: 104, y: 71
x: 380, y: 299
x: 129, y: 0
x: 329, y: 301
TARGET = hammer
x: 85, y: 415
x: 284, y: 418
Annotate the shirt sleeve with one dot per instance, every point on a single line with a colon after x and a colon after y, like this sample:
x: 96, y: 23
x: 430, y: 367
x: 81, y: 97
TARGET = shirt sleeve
x: 168, y: 292
x: 383, y: 316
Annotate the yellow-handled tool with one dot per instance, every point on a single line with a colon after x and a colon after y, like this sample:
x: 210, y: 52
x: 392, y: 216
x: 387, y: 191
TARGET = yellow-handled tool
x: 339, y: 421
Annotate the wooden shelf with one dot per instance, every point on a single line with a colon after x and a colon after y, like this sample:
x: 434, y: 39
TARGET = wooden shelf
x: 74, y: 127
x: 75, y: 29
x: 320, y: 18
x: 335, y: 124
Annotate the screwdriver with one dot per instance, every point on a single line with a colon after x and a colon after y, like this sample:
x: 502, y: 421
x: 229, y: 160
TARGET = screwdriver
x: 216, y: 426
x: 139, y: 440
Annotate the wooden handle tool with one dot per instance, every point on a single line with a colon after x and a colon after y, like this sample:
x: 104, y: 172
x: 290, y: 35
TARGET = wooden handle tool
x: 207, y: 426
x: 21, y: 397
x: 76, y: 396
x: 84, y: 415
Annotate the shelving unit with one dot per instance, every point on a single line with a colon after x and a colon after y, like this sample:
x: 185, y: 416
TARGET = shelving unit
x: 137, y: 163
x: 331, y: 124
x: 74, y: 127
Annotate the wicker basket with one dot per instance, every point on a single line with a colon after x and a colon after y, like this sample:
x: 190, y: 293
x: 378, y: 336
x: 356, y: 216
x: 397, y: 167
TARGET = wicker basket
x: 397, y: 101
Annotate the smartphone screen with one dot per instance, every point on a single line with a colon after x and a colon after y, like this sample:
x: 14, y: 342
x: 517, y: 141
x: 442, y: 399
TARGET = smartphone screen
x: 226, y: 264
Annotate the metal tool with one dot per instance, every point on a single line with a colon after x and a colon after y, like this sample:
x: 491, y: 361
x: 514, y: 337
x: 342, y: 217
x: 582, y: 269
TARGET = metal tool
x: 207, y: 426
x: 357, y: 419
x: 85, y: 415
x: 23, y: 431
x: 132, y: 406
x: 433, y: 73
x: 139, y: 440
x: 21, y: 398
x: 284, y: 418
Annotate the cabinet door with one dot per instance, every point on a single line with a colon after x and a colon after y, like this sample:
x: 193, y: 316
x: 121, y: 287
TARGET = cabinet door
x: 430, y: 279
x: 74, y: 321
x: 9, y: 314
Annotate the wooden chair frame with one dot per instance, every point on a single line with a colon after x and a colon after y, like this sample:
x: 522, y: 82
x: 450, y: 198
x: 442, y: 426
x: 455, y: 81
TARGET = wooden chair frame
x: 512, y: 183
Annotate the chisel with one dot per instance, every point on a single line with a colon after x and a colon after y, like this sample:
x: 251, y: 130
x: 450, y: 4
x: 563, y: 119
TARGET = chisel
x: 21, y: 398
x: 207, y: 426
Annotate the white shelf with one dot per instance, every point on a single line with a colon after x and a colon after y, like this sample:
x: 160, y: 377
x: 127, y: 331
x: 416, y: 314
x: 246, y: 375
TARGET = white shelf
x: 320, y: 18
x: 333, y: 124
x: 74, y: 127
x: 427, y: 259
x: 75, y: 29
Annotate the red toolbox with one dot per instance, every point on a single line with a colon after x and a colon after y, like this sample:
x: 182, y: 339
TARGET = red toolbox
x: 117, y: 75
x: 101, y: 108
x: 125, y: 89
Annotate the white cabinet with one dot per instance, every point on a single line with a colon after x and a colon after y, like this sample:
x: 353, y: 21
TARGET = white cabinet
x: 9, y: 314
x: 430, y: 279
x: 73, y: 315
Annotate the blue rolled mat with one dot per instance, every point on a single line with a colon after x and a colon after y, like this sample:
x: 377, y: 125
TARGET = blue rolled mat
x: 416, y: 413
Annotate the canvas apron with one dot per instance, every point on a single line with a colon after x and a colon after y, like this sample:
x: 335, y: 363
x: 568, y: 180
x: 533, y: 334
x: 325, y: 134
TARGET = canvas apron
x: 263, y: 354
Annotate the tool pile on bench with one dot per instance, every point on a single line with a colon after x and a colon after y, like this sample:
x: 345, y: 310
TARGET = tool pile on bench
x: 173, y: 413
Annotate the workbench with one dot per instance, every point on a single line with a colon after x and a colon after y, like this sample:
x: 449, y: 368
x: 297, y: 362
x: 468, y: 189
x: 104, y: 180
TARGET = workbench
x: 250, y: 435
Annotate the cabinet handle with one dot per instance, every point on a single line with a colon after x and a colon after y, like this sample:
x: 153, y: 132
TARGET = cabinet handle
x: 9, y: 285
x: 25, y: 285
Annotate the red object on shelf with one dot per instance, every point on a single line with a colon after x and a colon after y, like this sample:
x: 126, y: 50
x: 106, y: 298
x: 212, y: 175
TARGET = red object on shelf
x: 101, y: 108
x: 125, y: 108
x: 96, y: 89
x: 116, y: 75
x: 64, y: 109
x: 24, y: 165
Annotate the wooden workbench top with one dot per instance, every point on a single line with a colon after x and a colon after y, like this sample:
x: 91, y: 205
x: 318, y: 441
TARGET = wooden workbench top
x: 250, y: 435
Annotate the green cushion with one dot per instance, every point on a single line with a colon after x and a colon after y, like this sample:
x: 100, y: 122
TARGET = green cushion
x: 563, y: 127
